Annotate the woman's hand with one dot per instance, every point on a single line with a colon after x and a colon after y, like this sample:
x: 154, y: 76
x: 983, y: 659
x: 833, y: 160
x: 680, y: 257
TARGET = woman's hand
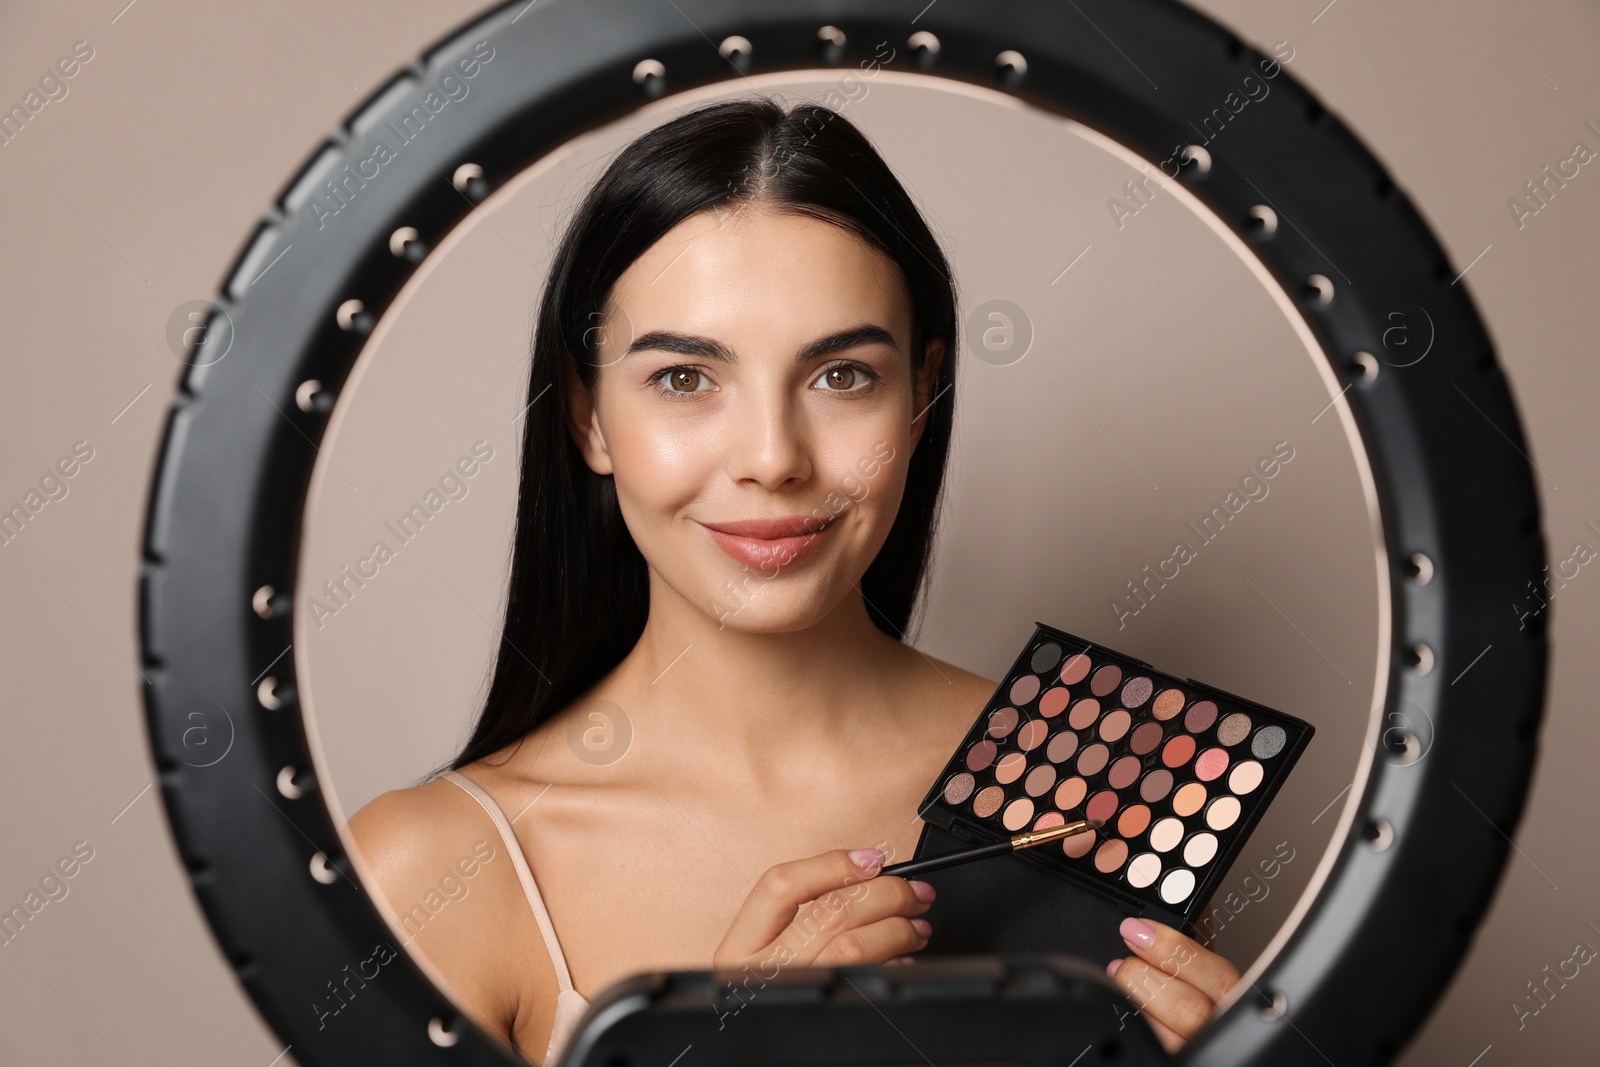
x: 828, y: 910
x: 1174, y: 981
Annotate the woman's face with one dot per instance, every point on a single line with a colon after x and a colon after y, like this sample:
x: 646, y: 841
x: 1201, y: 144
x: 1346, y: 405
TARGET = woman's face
x: 757, y: 408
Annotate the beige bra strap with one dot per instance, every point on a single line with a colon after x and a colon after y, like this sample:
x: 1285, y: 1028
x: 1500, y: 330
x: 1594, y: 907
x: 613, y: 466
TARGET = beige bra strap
x: 520, y: 862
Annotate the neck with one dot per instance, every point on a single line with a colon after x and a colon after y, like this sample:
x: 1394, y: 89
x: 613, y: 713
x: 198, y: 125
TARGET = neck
x: 706, y: 690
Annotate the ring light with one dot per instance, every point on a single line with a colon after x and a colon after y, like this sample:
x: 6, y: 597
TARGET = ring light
x: 216, y: 606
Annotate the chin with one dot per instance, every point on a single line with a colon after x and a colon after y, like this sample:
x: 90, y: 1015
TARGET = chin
x: 778, y: 605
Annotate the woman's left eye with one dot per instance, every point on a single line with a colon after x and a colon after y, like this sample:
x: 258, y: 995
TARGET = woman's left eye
x: 845, y: 378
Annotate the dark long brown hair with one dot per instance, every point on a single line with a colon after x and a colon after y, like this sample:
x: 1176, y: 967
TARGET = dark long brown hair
x: 579, y: 594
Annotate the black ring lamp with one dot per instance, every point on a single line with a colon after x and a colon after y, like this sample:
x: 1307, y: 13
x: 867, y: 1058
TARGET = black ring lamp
x: 216, y: 608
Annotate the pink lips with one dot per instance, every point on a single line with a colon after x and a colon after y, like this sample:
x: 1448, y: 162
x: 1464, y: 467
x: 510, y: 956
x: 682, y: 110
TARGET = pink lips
x: 769, y: 543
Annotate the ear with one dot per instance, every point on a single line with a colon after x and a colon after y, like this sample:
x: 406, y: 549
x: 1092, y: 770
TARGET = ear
x: 583, y: 420
x: 923, y: 394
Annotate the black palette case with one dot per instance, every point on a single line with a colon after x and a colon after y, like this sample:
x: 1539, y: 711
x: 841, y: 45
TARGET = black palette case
x: 1179, y: 799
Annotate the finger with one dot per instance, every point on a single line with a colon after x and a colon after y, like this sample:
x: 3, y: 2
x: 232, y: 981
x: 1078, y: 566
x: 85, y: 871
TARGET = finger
x: 862, y: 904
x: 875, y: 942
x: 1177, y: 954
x: 1170, y: 1039
x: 777, y: 895
x: 1171, y: 1002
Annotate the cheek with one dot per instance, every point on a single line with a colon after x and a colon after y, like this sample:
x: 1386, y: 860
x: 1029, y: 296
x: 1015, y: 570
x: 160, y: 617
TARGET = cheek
x: 859, y: 476
x: 659, y: 463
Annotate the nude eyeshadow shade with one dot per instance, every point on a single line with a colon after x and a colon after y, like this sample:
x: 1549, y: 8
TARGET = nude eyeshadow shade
x: 1010, y: 767
x: 1032, y: 735
x: 988, y: 801
x: 958, y: 788
x: 1054, y: 701
x: 1178, y: 774
x: 1075, y: 668
x: 1061, y: 747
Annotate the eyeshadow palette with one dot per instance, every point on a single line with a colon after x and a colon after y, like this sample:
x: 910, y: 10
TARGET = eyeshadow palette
x: 1178, y: 771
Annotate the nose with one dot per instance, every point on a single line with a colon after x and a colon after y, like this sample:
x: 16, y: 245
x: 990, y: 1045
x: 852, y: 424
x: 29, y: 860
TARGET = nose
x: 767, y: 441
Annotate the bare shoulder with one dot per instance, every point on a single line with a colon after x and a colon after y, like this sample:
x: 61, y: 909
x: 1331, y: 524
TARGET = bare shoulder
x: 402, y: 829
x: 430, y: 850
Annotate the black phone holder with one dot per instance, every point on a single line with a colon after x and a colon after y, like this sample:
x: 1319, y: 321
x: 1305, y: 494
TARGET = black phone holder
x: 1029, y: 1010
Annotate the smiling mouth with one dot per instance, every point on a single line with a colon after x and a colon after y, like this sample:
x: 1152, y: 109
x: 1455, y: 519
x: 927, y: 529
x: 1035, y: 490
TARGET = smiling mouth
x: 769, y: 543
x: 777, y: 529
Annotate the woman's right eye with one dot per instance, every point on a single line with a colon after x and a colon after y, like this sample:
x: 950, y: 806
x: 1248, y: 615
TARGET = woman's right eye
x: 683, y: 380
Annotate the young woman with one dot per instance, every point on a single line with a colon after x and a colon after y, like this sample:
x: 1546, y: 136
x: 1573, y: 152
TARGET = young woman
x: 704, y: 717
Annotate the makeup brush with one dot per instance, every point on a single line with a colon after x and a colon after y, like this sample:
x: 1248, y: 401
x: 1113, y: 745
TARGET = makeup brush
x: 1030, y: 839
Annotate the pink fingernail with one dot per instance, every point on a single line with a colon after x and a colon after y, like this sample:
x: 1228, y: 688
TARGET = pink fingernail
x: 867, y: 857
x: 1111, y: 968
x: 923, y: 891
x: 1137, y: 932
x: 923, y: 927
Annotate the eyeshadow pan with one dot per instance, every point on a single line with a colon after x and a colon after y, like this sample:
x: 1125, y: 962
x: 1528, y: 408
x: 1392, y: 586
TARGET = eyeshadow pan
x: 1083, y: 713
x: 1144, y: 869
x: 1105, y: 679
x: 1039, y: 780
x: 1201, y: 849
x: 1115, y: 725
x: 1101, y: 806
x: 1074, y: 670
x: 1010, y: 767
x: 1054, y: 701
x: 1032, y: 734
x: 1188, y: 799
x: 1268, y: 742
x: 1176, y: 754
x: 1061, y: 746
x: 1165, y: 835
x: 1049, y: 819
x: 1223, y: 813
x: 1125, y: 772
x: 980, y: 755
x: 1156, y: 785
x: 1146, y: 738
x: 1137, y: 691
x: 1018, y: 812
x: 1133, y: 821
x: 1045, y: 657
x: 1177, y: 885
x: 1110, y: 856
x: 1078, y: 845
x: 1168, y: 703
x: 1246, y: 776
x: 1024, y: 689
x: 1209, y: 765
x: 959, y: 788
x: 1070, y: 793
x: 1201, y: 714
x: 1234, y: 728
x: 1093, y: 759
x: 1002, y: 721
x: 988, y: 801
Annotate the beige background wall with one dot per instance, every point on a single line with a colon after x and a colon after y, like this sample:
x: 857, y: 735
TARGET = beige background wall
x: 130, y: 195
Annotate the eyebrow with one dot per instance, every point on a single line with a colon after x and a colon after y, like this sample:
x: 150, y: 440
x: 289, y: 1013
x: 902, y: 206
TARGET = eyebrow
x: 705, y: 348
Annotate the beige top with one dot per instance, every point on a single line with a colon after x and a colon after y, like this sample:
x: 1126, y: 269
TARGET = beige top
x: 570, y: 1004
